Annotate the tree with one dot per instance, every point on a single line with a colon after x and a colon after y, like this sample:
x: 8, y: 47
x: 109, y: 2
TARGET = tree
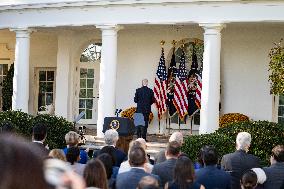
x: 276, y: 68
x: 7, y: 90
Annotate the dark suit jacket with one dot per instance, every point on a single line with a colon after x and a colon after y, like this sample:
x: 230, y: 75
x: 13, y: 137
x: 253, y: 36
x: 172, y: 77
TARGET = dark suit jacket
x: 40, y: 149
x: 275, y: 176
x: 130, y: 179
x: 237, y: 163
x: 213, y: 178
x: 144, y: 97
x: 120, y: 156
x: 165, y: 170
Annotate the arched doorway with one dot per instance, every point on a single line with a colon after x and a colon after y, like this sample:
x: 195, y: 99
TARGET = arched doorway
x: 88, y: 87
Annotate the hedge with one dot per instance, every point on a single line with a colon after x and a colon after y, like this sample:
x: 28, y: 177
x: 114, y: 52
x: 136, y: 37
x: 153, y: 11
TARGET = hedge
x: 265, y: 135
x: 23, y: 123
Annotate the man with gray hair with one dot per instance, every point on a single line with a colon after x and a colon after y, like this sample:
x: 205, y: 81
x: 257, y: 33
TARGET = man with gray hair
x: 177, y: 137
x: 240, y: 161
x: 111, y: 137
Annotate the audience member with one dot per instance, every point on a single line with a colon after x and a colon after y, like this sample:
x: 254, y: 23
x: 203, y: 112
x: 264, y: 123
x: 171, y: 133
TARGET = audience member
x: 249, y: 180
x: 38, y: 137
x: 261, y: 177
x: 57, y: 154
x: 165, y: 169
x: 72, y: 139
x: 183, y: 176
x: 160, y: 156
x: 125, y: 166
x: 60, y: 175
x: 21, y: 165
x: 240, y: 161
x: 130, y: 179
x: 275, y: 173
x: 148, y: 182
x: 111, y: 138
x: 73, y: 157
x: 7, y: 127
x: 106, y: 159
x: 95, y: 174
x: 210, y: 176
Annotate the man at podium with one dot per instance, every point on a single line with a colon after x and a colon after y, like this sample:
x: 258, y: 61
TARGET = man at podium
x: 144, y: 97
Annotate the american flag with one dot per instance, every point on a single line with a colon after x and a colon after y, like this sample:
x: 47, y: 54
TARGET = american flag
x: 181, y: 89
x: 160, y: 88
x: 198, y: 90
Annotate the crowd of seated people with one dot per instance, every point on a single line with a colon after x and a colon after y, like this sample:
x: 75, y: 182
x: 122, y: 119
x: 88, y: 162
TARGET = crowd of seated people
x: 31, y: 165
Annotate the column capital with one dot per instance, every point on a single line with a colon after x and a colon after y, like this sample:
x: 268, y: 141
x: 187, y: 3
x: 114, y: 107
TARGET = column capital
x: 22, y: 32
x: 212, y: 28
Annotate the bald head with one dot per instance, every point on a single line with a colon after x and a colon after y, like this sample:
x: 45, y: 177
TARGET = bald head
x: 145, y: 82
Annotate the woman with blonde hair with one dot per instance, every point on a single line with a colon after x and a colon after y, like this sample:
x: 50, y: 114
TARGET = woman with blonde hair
x: 72, y: 140
x: 57, y: 154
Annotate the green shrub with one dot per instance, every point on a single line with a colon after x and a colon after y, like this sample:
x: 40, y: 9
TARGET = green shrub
x: 265, y: 135
x: 7, y: 90
x: 57, y: 128
x: 23, y: 123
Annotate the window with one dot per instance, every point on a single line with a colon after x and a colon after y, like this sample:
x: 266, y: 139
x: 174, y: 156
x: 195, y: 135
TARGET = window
x: 91, y: 53
x: 281, y: 109
x: 46, y: 88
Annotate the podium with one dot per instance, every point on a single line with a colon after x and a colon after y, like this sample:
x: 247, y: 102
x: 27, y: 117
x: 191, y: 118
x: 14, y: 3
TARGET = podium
x: 125, y: 128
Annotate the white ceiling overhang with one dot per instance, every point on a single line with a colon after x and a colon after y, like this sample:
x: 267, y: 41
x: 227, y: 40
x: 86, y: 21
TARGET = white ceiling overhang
x: 52, y: 13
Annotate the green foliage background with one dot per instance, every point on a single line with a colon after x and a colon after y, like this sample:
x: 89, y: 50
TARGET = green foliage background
x: 265, y: 135
x: 7, y: 90
x: 23, y: 123
x: 276, y: 68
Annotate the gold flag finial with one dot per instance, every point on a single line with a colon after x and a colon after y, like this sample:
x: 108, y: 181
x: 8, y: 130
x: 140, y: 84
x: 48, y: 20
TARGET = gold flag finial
x: 162, y: 43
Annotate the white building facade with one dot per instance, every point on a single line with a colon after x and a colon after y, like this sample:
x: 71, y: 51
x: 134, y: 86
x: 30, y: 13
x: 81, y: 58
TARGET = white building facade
x: 46, y: 41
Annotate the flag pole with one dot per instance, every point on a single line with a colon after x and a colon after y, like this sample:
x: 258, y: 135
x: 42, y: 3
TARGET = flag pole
x: 191, y: 120
x: 178, y: 124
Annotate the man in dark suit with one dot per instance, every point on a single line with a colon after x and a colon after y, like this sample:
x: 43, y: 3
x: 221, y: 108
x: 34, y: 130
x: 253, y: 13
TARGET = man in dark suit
x: 144, y: 97
x: 111, y: 137
x: 240, y: 161
x: 130, y: 179
x: 210, y: 176
x: 39, y: 135
x: 165, y: 170
x: 275, y: 173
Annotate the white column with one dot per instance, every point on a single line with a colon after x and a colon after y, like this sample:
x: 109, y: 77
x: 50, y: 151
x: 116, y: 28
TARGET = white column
x: 106, y: 104
x: 210, y: 95
x: 62, y: 93
x: 20, y: 99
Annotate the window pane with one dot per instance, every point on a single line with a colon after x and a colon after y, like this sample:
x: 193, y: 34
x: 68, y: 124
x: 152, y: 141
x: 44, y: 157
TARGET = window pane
x: 281, y: 120
x: 42, y: 87
x: 1, y: 80
x: 49, y: 98
x: 49, y: 86
x: 82, y: 103
x: 41, y: 100
x: 1, y: 69
x: 5, y: 69
x: 82, y: 83
x: 90, y: 73
x: 281, y: 111
x: 42, y: 76
x: 174, y: 119
x: 89, y: 93
x: 281, y: 99
x: 81, y: 110
x: 82, y: 93
x: 50, y: 75
x: 90, y: 83
x: 89, y: 114
x: 83, y: 73
x: 196, y: 119
x: 89, y: 103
